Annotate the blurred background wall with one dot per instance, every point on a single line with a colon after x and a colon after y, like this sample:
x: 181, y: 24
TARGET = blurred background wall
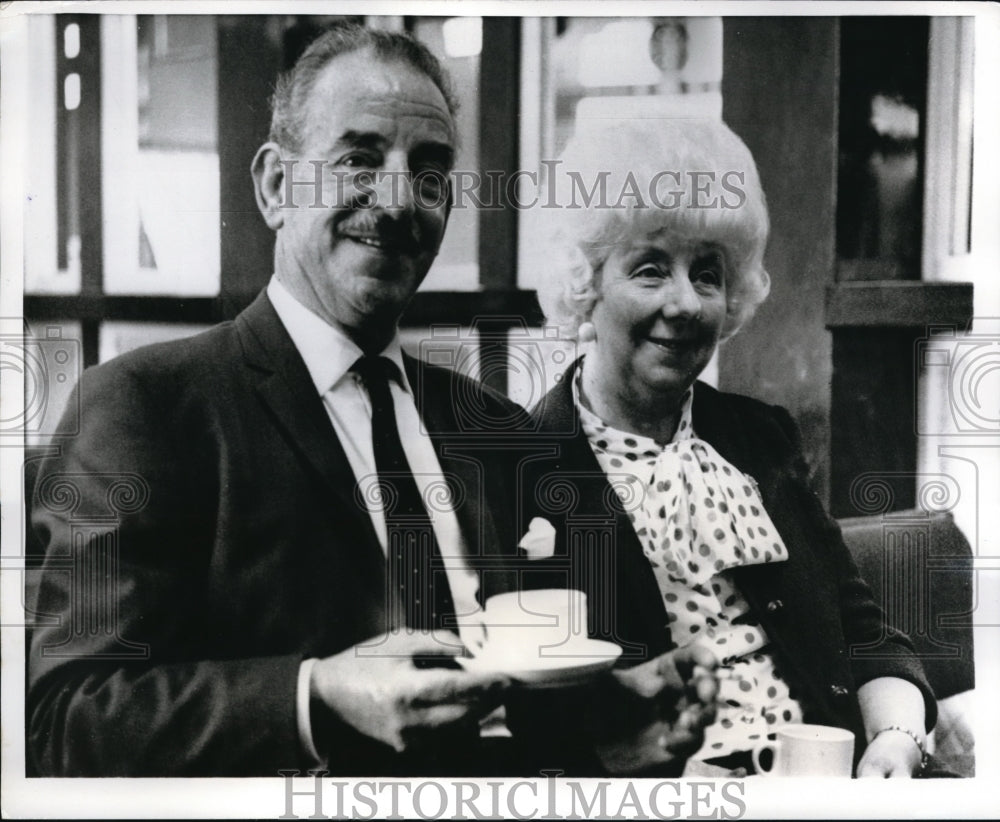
x: 140, y: 222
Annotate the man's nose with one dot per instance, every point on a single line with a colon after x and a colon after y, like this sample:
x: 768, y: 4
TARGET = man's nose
x: 394, y: 190
x: 680, y: 300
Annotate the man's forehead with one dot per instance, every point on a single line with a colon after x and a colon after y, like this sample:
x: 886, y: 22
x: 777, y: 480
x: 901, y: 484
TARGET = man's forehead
x: 360, y: 86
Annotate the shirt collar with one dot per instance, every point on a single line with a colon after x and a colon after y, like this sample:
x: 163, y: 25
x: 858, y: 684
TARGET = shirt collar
x: 326, y: 350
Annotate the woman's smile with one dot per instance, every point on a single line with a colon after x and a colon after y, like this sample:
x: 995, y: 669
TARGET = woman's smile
x: 672, y: 345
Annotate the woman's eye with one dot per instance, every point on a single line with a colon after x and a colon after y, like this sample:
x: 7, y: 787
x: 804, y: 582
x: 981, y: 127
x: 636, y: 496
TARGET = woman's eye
x: 708, y: 274
x: 646, y: 272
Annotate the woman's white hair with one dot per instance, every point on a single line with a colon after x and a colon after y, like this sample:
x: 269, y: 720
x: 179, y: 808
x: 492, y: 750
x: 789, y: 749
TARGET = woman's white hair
x: 692, y: 177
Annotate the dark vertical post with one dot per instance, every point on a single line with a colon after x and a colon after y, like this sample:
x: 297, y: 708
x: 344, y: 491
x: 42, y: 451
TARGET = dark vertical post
x: 88, y: 172
x: 248, y: 67
x: 873, y: 424
x: 90, y: 342
x: 78, y: 147
x: 779, y: 86
x: 874, y: 427
x: 499, y: 91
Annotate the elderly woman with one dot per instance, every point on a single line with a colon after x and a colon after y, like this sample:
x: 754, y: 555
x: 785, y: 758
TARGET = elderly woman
x: 711, y: 536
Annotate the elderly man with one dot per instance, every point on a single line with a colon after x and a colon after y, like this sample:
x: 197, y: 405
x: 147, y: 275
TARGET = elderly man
x: 260, y: 537
x: 268, y: 613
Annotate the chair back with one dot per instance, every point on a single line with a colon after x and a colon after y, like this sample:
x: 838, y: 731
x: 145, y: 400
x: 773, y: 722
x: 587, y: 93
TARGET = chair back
x: 919, y: 567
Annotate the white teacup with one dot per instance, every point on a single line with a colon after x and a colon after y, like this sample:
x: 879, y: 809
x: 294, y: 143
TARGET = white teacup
x: 808, y: 750
x: 534, y: 624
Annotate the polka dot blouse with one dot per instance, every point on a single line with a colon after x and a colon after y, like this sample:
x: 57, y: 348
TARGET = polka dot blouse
x: 696, y: 517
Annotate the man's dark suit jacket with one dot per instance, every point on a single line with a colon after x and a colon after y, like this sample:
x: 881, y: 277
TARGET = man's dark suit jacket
x: 815, y: 607
x: 202, y: 537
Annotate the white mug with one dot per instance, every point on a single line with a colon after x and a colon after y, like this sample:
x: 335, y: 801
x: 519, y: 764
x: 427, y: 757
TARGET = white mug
x: 808, y: 750
x: 534, y: 623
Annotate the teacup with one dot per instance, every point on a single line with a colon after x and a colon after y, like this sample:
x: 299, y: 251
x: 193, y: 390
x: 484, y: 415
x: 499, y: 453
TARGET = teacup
x: 808, y: 750
x: 534, y: 624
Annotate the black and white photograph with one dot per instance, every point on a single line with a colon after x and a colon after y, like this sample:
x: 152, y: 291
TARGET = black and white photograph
x: 491, y: 410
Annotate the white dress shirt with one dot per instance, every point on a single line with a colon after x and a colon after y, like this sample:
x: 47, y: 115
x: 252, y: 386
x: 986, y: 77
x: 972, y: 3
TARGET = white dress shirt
x: 328, y: 354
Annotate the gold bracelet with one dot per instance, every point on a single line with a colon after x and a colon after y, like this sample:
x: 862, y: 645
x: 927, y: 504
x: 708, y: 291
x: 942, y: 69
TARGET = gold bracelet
x: 919, y: 743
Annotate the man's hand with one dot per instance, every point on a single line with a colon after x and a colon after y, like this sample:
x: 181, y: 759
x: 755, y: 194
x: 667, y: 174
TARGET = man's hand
x: 660, y: 710
x: 891, y: 754
x: 385, y: 695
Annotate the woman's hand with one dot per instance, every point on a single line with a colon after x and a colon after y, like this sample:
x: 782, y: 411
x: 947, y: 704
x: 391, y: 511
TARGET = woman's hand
x: 890, y: 754
x: 655, y: 714
x: 888, y: 704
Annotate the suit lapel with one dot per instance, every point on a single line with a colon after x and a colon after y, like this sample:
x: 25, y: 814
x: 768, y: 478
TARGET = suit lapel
x: 635, y: 587
x: 716, y: 422
x: 285, y: 388
x: 281, y: 381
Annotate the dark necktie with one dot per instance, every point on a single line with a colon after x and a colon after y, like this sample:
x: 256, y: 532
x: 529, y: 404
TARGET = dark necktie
x: 415, y: 567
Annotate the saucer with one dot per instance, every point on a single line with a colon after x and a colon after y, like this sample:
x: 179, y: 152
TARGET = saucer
x: 557, y: 667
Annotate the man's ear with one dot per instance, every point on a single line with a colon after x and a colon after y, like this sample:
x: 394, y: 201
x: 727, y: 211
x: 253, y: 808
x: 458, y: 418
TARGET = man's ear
x: 269, y: 184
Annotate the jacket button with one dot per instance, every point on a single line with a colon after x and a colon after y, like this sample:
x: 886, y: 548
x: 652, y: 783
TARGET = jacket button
x: 774, y: 606
x: 838, y: 691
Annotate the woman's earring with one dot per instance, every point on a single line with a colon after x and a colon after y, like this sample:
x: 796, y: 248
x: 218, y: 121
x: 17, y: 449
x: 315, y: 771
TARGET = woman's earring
x: 586, y: 333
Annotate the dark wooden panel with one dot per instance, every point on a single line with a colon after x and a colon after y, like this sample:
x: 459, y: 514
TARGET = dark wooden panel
x: 90, y: 342
x: 499, y: 91
x: 874, y: 425
x: 96, y: 308
x: 90, y: 168
x: 248, y: 66
x: 898, y: 303
x: 779, y: 91
x: 502, y: 308
x: 499, y: 88
x: 78, y: 148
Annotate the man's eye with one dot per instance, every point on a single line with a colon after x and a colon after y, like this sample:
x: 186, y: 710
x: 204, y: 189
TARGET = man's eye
x: 431, y: 177
x: 430, y: 167
x: 359, y: 160
x: 431, y: 189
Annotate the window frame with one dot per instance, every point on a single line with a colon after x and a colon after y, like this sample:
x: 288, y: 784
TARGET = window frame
x: 497, y: 306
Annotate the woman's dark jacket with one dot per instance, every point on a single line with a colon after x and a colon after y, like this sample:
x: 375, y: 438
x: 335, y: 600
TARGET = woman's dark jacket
x: 829, y: 636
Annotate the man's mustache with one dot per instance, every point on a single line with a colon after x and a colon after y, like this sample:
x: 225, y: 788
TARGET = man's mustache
x: 395, y: 233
